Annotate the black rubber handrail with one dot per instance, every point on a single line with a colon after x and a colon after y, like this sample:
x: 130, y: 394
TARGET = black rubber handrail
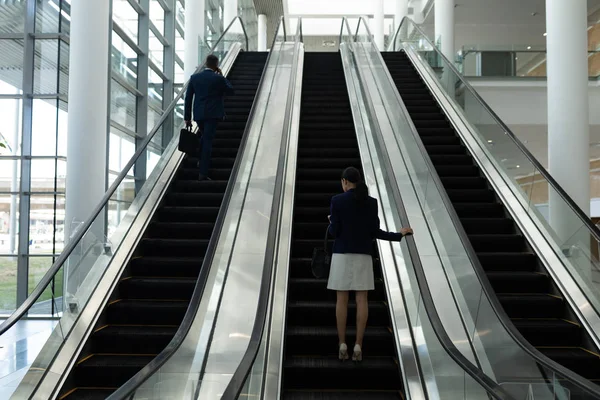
x: 129, y: 387
x: 492, y: 387
x: 580, y: 382
x: 594, y: 231
x: 238, y: 379
x: 54, y: 269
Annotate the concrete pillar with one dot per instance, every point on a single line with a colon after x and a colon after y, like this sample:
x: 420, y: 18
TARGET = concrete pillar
x: 568, y: 113
x: 88, y: 126
x: 444, y: 27
x: 262, y: 32
x: 194, y: 35
x: 378, y: 24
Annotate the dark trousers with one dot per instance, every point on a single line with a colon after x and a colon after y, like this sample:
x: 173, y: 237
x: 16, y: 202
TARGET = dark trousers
x: 208, y: 128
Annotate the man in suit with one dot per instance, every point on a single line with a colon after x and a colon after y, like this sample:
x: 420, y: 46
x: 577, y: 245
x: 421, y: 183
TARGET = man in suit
x: 206, y: 91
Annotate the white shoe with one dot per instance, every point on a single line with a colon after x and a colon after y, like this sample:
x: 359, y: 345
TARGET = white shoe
x: 343, y: 352
x: 357, y: 355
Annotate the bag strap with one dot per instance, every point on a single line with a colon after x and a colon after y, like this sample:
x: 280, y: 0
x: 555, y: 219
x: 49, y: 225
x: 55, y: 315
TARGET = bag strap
x: 325, y: 241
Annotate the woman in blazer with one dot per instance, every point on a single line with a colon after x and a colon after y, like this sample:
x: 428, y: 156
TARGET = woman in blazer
x: 354, y: 223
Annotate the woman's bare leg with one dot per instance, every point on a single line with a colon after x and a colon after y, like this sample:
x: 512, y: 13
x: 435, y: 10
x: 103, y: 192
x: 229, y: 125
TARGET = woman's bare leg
x: 341, y: 315
x: 362, y: 314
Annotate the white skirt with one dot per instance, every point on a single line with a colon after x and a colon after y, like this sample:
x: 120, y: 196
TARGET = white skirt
x: 351, y: 272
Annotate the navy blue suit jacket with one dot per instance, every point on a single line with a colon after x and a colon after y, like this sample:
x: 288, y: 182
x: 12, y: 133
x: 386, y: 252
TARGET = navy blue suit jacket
x: 355, y: 226
x: 206, y: 90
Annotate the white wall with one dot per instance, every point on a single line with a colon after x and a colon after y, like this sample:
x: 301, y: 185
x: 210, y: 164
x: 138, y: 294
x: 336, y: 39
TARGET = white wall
x: 524, y: 103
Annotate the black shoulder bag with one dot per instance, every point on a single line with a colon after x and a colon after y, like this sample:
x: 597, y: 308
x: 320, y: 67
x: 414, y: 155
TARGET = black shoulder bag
x: 321, y: 260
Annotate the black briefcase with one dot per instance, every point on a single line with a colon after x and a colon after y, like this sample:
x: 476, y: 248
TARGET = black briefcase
x: 189, y: 141
x: 321, y: 260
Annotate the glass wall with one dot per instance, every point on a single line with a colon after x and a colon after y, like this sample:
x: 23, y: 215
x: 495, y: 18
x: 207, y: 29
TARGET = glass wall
x: 146, y: 60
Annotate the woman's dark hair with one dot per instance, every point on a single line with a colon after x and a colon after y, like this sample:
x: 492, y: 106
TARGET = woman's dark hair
x: 352, y: 175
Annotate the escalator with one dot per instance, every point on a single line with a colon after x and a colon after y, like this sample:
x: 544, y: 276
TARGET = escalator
x: 522, y: 284
x: 327, y: 145
x: 153, y: 294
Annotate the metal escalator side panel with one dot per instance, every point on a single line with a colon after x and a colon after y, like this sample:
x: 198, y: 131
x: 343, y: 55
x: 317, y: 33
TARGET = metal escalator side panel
x: 51, y: 368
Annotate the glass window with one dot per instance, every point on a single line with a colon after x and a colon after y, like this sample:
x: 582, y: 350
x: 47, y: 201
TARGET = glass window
x: 153, y: 118
x: 13, y: 16
x: 44, y: 208
x: 8, y: 284
x: 11, y: 66
x: 126, y: 17
x: 63, y: 126
x: 10, y: 175
x: 156, y: 50
x: 9, y: 226
x: 50, y: 302
x: 44, y: 125
x: 179, y: 75
x: 152, y: 159
x: 124, y: 59
x: 10, y: 126
x: 121, y: 149
x: 157, y: 16
x: 122, y: 106
x: 155, y: 89
x: 180, y: 13
x: 44, y: 172
x: 51, y: 66
x: 52, y: 16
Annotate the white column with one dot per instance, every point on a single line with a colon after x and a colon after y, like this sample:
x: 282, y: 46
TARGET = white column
x: 378, y: 24
x: 568, y: 111
x: 262, y: 32
x: 230, y: 11
x: 401, y: 12
x: 194, y: 35
x: 444, y: 27
x: 88, y: 126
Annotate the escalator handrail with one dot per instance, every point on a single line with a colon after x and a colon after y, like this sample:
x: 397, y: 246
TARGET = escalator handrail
x: 540, y: 358
x: 238, y: 379
x: 129, y: 387
x: 594, y: 231
x: 82, y: 230
x: 492, y: 387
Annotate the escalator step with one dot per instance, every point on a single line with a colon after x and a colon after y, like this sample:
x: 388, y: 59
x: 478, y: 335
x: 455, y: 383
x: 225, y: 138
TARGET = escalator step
x: 523, y: 305
x: 112, y: 370
x: 159, y: 288
x: 342, y: 395
x: 146, y: 312
x: 182, y: 247
x: 186, y: 214
x: 322, y: 371
x: 579, y: 360
x: 316, y: 289
x: 505, y: 262
x: 519, y: 282
x: 549, y: 332
x: 132, y: 339
x: 323, y: 313
x: 180, y: 230
x: 166, y: 266
x: 488, y: 225
x: 510, y: 243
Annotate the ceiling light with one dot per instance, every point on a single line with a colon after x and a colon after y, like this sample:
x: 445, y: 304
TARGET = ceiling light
x: 516, y: 58
x: 518, y: 166
x: 545, y: 33
x: 490, y: 141
x: 528, y: 47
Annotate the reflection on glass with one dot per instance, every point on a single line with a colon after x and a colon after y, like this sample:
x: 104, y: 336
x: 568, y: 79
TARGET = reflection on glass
x: 52, y: 16
x: 155, y: 89
x: 46, y: 229
x: 9, y: 224
x: 51, y: 66
x: 123, y: 59
x: 126, y: 17
x: 122, y: 106
x: 11, y: 68
x: 13, y: 19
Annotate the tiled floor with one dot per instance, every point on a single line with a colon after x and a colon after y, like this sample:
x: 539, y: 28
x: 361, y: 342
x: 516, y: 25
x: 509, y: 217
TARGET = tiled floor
x: 18, y: 349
